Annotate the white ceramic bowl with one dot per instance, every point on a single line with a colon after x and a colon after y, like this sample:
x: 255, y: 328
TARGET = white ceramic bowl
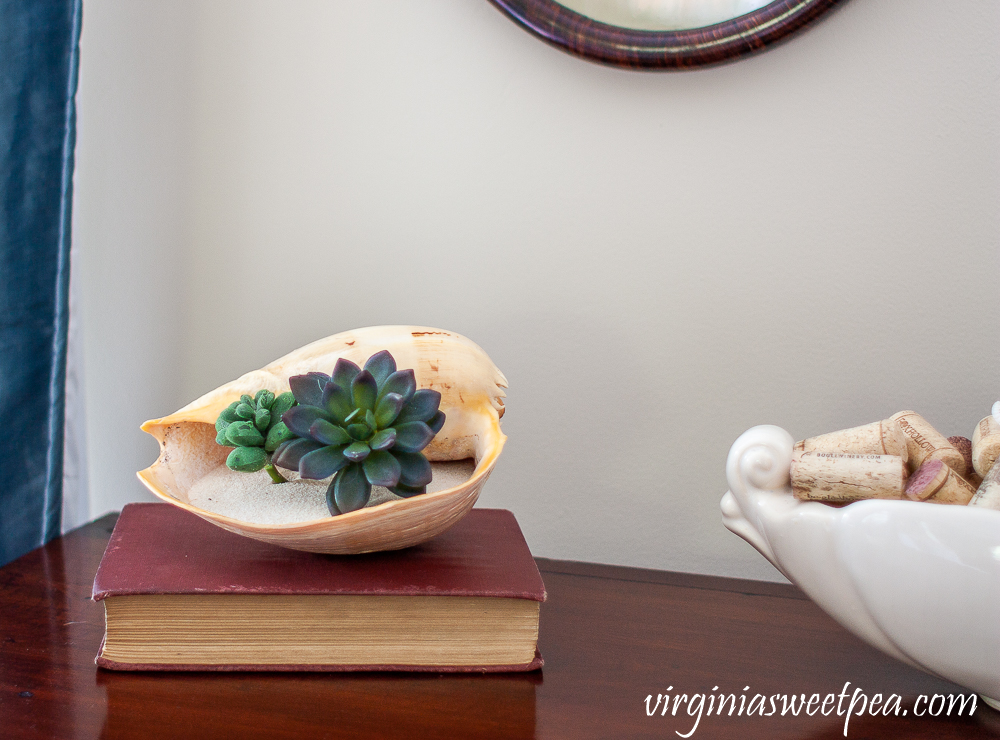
x: 918, y: 581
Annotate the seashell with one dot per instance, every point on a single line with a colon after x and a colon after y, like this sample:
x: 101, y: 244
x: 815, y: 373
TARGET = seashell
x: 471, y: 388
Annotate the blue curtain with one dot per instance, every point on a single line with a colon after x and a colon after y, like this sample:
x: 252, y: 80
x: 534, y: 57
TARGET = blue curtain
x: 39, y: 50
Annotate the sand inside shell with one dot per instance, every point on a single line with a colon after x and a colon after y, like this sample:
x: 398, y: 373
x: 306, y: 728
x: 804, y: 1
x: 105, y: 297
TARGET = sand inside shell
x: 253, y: 498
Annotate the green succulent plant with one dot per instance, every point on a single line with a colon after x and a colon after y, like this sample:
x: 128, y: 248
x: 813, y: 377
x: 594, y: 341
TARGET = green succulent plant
x: 366, y: 427
x: 253, y: 426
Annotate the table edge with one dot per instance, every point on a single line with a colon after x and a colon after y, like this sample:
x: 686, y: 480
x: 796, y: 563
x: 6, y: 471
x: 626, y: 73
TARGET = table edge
x: 670, y: 578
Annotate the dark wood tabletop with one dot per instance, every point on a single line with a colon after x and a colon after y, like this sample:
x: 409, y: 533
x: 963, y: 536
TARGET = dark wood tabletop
x: 610, y: 637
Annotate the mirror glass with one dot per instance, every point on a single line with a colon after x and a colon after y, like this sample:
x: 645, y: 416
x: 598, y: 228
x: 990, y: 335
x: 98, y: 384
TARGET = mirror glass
x: 663, y: 15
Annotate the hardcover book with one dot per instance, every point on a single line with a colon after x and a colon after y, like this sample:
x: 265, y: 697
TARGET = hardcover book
x: 183, y: 594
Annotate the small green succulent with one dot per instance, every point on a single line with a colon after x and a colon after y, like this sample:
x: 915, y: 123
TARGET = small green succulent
x: 253, y: 426
x: 366, y: 427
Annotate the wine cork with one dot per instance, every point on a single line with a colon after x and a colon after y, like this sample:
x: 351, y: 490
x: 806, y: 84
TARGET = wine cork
x: 842, y: 478
x: 985, y: 445
x: 878, y: 438
x: 964, y: 445
x: 988, y: 493
x: 936, y: 482
x: 924, y: 441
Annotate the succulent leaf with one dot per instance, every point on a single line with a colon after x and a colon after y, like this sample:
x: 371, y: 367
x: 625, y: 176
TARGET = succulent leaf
x: 264, y: 398
x: 262, y: 419
x: 370, y: 419
x: 436, y: 422
x: 306, y: 389
x: 322, y: 463
x: 381, y: 469
x: 277, y: 434
x: 421, y: 407
x: 364, y: 390
x: 387, y: 410
x: 300, y: 418
x: 229, y: 413
x: 245, y: 411
x: 337, y: 402
x: 247, y: 459
x: 402, y: 382
x: 412, y: 436
x: 407, y: 491
x: 288, y: 454
x: 281, y: 404
x: 282, y: 446
x: 331, y: 503
x: 329, y: 434
x: 244, y: 434
x: 381, y: 365
x: 220, y: 437
x: 383, y: 440
x: 351, y: 490
x: 360, y: 432
x: 357, y: 451
x: 344, y: 373
x: 415, y: 470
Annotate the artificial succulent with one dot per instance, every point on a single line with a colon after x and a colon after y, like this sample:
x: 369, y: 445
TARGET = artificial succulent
x: 253, y: 426
x: 366, y: 427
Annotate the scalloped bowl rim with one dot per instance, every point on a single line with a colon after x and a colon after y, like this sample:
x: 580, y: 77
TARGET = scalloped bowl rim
x: 807, y: 541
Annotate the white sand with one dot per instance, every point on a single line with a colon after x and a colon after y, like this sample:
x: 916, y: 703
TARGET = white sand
x: 252, y: 497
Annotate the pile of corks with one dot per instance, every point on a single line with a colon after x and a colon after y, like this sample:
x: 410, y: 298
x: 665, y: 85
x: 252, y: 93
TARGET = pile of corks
x: 902, y: 457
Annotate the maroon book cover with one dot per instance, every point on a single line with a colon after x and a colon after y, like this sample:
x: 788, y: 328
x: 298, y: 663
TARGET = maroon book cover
x: 162, y: 549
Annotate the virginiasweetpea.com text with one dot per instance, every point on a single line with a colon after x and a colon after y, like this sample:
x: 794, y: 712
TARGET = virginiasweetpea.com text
x: 848, y: 703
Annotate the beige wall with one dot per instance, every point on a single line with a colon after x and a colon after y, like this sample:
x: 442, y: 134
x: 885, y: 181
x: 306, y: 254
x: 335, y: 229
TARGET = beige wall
x: 131, y: 201
x: 656, y: 261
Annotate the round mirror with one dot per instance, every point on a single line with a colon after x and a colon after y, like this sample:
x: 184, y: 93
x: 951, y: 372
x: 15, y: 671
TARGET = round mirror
x: 664, y: 34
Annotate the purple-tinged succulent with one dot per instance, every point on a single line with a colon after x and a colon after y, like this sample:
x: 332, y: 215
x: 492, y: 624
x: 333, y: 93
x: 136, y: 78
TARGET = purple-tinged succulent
x: 365, y: 427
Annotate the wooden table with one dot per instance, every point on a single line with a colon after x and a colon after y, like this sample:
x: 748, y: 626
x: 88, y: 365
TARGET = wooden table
x: 610, y: 636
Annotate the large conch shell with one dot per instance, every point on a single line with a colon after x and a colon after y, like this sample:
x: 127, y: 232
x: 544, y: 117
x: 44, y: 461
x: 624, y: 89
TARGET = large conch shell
x: 471, y: 397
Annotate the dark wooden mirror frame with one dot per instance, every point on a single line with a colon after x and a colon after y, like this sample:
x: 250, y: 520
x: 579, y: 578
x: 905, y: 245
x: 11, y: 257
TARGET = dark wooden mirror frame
x: 665, y: 50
